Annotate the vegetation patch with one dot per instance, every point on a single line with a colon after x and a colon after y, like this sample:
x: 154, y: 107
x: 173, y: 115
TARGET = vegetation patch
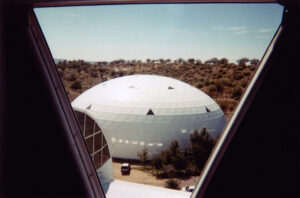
x: 182, y: 164
x: 218, y: 78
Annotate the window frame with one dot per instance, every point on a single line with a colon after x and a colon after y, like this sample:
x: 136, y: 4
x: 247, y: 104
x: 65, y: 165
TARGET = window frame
x: 230, y: 128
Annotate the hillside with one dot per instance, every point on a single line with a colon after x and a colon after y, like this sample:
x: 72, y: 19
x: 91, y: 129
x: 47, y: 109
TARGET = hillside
x: 223, y: 81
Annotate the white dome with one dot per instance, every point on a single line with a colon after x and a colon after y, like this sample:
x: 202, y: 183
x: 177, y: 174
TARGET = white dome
x: 149, y: 111
x: 136, y: 94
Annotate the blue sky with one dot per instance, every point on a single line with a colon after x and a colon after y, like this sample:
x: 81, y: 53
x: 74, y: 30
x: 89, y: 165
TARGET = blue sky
x: 200, y: 31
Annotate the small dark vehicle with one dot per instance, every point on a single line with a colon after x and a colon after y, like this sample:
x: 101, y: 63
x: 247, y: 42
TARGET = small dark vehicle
x: 190, y: 188
x: 125, y: 169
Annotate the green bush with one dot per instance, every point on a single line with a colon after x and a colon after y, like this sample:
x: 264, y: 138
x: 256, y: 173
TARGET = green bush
x: 172, y: 183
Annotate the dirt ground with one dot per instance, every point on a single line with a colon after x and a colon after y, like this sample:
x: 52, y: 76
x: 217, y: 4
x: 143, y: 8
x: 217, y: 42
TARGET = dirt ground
x: 141, y: 177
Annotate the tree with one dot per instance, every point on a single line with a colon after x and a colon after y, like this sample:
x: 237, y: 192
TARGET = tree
x: 172, y: 183
x: 174, y: 147
x: 198, y: 62
x: 180, y: 60
x: 243, y: 61
x: 157, y: 162
x: 191, y: 60
x: 162, y: 61
x: 223, y: 61
x: 236, y: 92
x: 212, y: 61
x: 202, y: 145
x: 76, y: 85
x: 254, y: 62
x: 143, y: 156
x: 179, y: 161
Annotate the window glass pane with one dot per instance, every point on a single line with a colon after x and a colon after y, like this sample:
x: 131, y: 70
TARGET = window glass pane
x: 98, y: 141
x: 97, y: 160
x: 162, y: 80
x: 97, y: 127
x: 89, y: 126
x: 103, y: 140
x: 80, y: 118
x: 89, y: 144
x: 105, y: 154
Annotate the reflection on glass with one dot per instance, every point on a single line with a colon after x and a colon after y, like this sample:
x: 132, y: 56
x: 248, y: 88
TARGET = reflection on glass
x: 94, y: 140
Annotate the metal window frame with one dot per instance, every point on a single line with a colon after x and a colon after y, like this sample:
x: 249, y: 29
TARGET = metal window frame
x: 73, y: 133
x: 231, y: 126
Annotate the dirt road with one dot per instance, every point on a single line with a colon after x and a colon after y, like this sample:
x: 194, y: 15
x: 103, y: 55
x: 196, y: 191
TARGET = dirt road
x: 141, y: 177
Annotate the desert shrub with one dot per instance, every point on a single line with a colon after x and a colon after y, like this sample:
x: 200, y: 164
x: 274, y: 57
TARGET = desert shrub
x: 224, y: 104
x: 60, y: 72
x: 121, y: 73
x: 62, y: 65
x: 212, y: 88
x: 94, y: 74
x: 72, y: 77
x: 240, y: 67
x: 112, y: 73
x: 225, y: 81
x: 252, y: 67
x: 102, y: 70
x: 231, y: 107
x: 246, y: 73
x: 244, y: 83
x: 227, y: 104
x: 237, y: 75
x: 219, y: 85
x: 199, y: 84
x: 212, y: 82
x: 219, y: 75
x: 236, y: 92
x: 172, y: 183
x: 206, y: 82
x: 76, y: 85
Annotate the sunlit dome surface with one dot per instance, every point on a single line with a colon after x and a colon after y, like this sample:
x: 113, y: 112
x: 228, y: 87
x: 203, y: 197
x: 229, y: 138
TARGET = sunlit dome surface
x: 137, y: 94
x: 149, y: 111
